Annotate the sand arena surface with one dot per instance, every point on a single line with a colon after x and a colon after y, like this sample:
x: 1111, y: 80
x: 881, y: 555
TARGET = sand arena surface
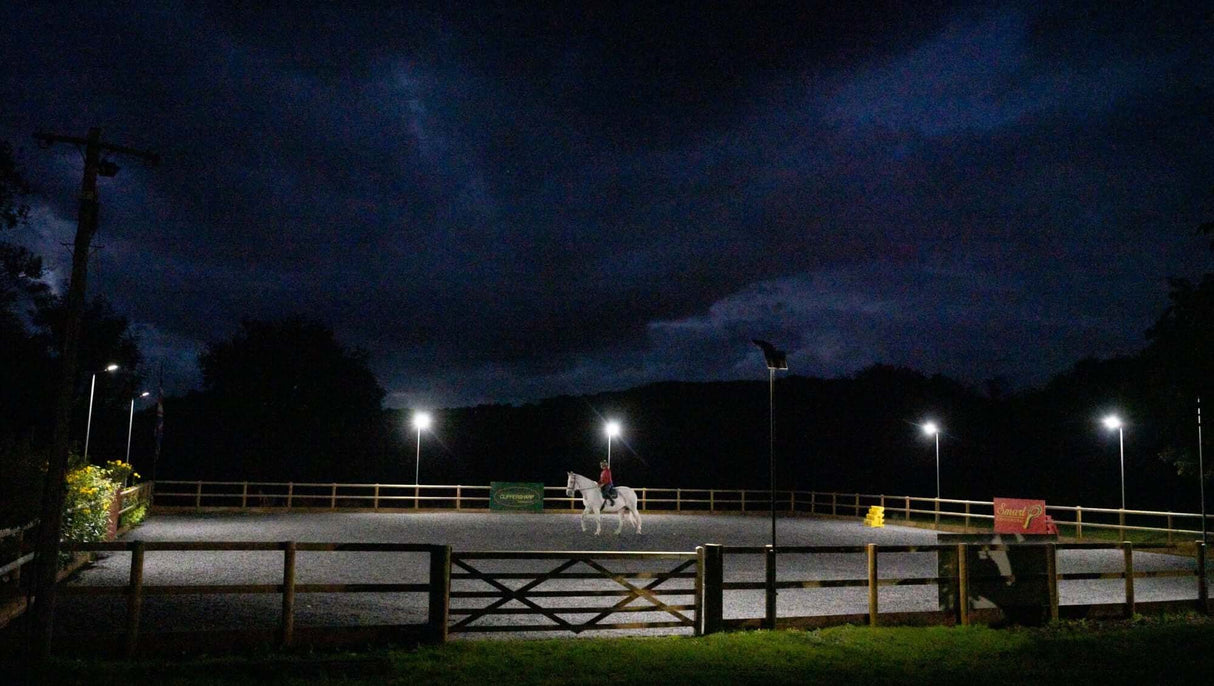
x: 527, y: 532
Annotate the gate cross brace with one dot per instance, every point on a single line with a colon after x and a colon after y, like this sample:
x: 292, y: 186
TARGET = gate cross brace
x: 509, y: 594
x: 637, y: 592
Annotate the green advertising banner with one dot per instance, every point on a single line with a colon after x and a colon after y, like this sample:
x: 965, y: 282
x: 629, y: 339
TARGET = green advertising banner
x: 516, y: 497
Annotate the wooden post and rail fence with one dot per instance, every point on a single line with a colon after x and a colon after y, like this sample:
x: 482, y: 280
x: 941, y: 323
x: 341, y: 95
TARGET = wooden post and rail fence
x: 580, y: 591
x: 1074, y: 522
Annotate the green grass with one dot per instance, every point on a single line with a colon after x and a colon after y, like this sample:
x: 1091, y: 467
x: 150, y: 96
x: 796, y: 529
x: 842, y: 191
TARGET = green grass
x: 1174, y: 650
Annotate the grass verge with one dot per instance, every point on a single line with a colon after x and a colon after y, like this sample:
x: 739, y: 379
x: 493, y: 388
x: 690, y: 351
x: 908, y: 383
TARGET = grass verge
x: 1173, y: 650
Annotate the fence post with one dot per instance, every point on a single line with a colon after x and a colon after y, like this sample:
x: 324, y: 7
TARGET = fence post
x: 907, y: 507
x: 963, y: 583
x: 834, y: 504
x: 857, y: 511
x: 440, y: 592
x: 699, y: 600
x: 714, y: 591
x: 1128, y: 547
x: 743, y: 500
x: 1051, y: 571
x: 769, y: 557
x: 678, y: 500
x: 712, y: 500
x: 813, y: 502
x: 937, y: 513
x: 290, y: 493
x: 459, y: 494
x: 198, y: 497
x: 1203, y: 588
x: 333, y: 497
x: 966, y: 529
x: 1121, y: 525
x: 287, y: 623
x: 134, y: 600
x: 1078, y: 523
x: 792, y: 502
x: 244, y: 496
x: 872, y: 584
x: 375, y: 499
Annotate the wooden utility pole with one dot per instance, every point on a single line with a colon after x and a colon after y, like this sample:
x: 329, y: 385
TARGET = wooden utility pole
x: 47, y: 561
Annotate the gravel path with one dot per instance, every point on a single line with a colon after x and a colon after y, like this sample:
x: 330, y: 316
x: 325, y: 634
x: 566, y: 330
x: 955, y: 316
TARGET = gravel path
x: 513, y: 532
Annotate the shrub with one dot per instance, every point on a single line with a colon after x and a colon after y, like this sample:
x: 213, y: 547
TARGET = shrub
x: 86, y: 507
x: 134, y: 517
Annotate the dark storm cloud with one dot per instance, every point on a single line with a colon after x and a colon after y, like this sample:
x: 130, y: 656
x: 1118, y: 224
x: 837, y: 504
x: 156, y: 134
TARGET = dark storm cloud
x: 510, y: 200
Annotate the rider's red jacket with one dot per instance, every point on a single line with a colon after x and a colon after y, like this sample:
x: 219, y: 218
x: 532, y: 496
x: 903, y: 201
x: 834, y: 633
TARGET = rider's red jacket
x: 605, y: 477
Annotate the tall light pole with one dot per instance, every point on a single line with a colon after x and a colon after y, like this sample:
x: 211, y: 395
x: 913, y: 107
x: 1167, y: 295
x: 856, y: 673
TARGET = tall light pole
x: 1114, y: 422
x: 931, y: 429
x: 421, y: 422
x: 612, y: 429
x: 88, y: 427
x: 131, y: 424
x: 775, y: 359
x: 1201, y: 473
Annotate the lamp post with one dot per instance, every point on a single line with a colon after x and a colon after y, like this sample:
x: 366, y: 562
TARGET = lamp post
x: 931, y: 429
x: 88, y: 427
x: 612, y: 430
x: 131, y: 424
x: 1114, y: 422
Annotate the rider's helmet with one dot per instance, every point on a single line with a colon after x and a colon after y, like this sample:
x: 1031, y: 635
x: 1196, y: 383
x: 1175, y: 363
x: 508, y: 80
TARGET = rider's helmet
x: 603, y: 464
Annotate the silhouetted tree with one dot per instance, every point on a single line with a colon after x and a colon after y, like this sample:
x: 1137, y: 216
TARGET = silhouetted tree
x: 284, y: 400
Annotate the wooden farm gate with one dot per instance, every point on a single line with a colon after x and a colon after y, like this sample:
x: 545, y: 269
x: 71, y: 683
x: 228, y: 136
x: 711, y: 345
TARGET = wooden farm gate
x: 574, y: 591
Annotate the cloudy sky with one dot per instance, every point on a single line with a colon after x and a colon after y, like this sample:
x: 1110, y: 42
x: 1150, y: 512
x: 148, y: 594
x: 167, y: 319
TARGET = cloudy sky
x: 506, y: 201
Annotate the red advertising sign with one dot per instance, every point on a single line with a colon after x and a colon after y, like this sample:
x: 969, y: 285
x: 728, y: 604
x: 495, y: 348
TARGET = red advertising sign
x: 1015, y: 516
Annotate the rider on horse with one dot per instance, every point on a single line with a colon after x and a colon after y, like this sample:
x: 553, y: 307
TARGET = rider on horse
x: 605, y: 484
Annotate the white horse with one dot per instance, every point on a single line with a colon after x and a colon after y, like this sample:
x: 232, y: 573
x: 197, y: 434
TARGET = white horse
x: 625, y: 502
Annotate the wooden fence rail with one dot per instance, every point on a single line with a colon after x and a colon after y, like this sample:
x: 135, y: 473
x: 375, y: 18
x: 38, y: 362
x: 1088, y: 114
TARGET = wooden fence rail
x: 687, y: 589
x: 962, y: 514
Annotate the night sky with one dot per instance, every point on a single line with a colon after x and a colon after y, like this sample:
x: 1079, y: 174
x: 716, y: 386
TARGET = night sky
x: 508, y: 201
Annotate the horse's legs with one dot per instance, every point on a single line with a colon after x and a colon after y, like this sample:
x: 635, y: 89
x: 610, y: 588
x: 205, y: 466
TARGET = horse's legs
x: 582, y: 517
x: 598, y: 521
x: 620, y: 527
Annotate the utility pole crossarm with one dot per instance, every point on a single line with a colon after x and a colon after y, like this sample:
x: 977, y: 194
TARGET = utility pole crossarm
x: 51, y: 138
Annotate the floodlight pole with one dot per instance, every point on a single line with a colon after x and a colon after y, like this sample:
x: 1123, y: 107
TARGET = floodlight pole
x: 937, y: 432
x: 1121, y: 451
x: 88, y: 426
x: 771, y: 447
x: 1201, y: 473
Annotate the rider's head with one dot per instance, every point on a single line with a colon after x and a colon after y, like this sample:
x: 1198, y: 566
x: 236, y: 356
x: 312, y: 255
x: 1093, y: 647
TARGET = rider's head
x: 602, y: 464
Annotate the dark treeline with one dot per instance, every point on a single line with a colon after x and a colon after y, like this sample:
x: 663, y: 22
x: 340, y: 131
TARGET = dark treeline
x: 283, y: 400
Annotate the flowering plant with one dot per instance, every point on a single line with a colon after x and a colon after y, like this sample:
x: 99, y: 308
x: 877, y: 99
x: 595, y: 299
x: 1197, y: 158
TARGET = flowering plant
x: 119, y: 471
x: 86, y: 505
